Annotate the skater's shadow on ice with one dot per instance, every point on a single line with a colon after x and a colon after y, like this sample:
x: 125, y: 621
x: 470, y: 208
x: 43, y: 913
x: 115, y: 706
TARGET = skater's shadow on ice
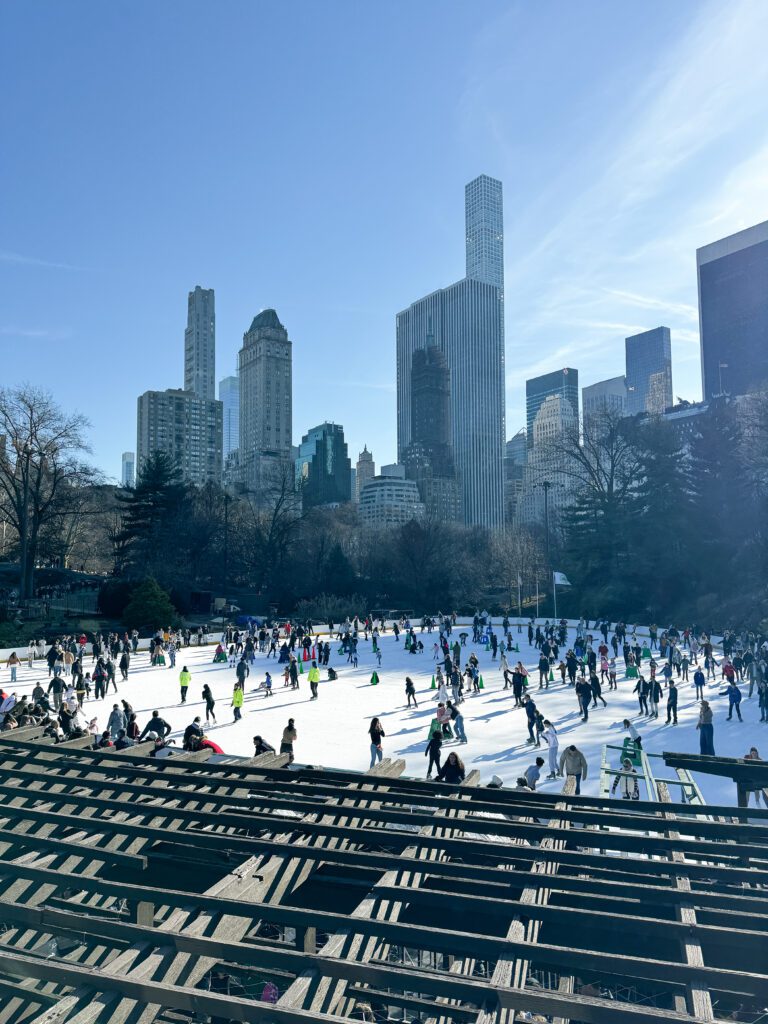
x: 491, y: 714
x: 502, y: 755
x: 415, y: 748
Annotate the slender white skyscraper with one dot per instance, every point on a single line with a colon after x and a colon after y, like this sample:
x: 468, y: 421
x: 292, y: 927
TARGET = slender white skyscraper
x: 466, y: 321
x: 200, y: 344
x: 484, y: 217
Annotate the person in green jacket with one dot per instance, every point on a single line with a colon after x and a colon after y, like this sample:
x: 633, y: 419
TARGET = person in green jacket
x: 314, y: 679
x: 185, y: 678
x: 237, y: 701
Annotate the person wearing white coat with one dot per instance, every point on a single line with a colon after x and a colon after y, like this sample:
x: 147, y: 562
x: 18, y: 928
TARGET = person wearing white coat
x: 550, y: 735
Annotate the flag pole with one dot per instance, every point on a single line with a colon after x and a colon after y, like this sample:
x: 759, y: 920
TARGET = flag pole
x: 554, y: 594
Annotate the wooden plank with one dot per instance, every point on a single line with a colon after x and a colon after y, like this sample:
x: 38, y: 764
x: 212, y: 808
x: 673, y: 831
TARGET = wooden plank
x: 498, y: 800
x: 272, y: 882
x: 525, y: 805
x: 698, y: 994
x: 515, y: 972
x: 433, y: 982
x: 660, y: 845
x: 205, y: 838
x: 587, y: 1009
x: 63, y: 847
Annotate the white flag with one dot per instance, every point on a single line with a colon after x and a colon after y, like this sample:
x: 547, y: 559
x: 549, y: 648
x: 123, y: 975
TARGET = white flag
x: 561, y: 580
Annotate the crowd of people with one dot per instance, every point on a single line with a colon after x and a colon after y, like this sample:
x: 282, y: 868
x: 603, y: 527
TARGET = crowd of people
x: 657, y: 662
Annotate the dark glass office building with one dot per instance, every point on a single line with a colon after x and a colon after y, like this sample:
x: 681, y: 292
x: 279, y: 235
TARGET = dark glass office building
x: 323, y: 467
x: 649, y: 372
x: 733, y: 312
x: 562, y: 382
x: 429, y: 458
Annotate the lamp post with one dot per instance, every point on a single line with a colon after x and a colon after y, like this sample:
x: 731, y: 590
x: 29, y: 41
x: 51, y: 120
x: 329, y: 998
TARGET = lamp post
x: 226, y: 540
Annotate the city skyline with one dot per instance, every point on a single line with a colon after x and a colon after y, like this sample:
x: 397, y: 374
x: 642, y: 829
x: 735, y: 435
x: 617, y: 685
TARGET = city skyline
x: 599, y: 248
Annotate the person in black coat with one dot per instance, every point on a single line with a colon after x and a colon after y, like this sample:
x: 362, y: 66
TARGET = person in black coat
x: 125, y: 662
x: 642, y: 689
x: 260, y: 746
x: 530, y: 713
x: 543, y: 672
x: 672, y: 702
x: 584, y: 696
x: 453, y: 770
x: 193, y: 734
x: 433, y: 749
x: 157, y: 725
x: 597, y: 690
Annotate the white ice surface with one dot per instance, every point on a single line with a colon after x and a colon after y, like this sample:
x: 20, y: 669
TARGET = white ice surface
x: 332, y: 731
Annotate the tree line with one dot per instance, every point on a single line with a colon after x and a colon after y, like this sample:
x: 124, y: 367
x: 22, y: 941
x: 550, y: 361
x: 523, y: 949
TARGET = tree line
x: 660, y: 525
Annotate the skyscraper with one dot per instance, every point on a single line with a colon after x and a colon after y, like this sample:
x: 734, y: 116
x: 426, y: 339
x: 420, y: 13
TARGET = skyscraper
x: 229, y: 396
x: 265, y: 366
x: 733, y: 312
x: 364, y: 471
x: 605, y: 394
x: 128, y: 474
x: 484, y: 218
x: 200, y: 344
x: 323, y: 466
x: 184, y: 426
x: 466, y: 322
x: 649, y: 372
x: 431, y: 406
x: 428, y: 458
x: 515, y: 461
x: 547, y: 485
x: 563, y: 382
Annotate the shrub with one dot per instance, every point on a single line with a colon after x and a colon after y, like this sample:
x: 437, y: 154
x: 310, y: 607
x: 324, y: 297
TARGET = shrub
x: 150, y: 607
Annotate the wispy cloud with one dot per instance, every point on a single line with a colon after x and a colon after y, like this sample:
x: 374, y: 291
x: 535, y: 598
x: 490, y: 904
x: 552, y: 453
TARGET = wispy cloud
x: 20, y: 260
x: 679, y: 309
x: 37, y: 333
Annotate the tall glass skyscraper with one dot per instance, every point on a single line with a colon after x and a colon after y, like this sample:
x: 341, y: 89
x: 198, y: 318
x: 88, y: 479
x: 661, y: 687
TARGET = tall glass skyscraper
x: 229, y: 396
x: 606, y: 395
x: 733, y: 312
x: 649, y: 372
x: 563, y: 382
x: 200, y: 344
x: 323, y: 467
x: 466, y: 322
x: 484, y: 217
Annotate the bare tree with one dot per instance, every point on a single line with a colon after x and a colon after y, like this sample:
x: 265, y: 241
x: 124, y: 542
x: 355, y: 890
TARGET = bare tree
x: 39, y: 458
x: 601, y: 461
x: 271, y: 521
x: 518, y: 564
x: 71, y: 528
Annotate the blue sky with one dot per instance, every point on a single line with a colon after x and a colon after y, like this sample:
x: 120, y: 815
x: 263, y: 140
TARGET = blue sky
x: 311, y: 156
